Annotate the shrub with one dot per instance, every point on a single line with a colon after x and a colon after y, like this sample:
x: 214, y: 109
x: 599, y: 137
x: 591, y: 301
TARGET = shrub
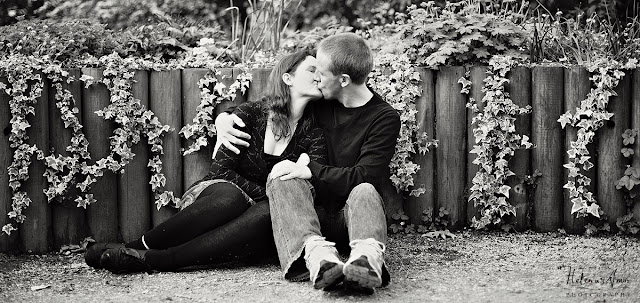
x: 63, y: 41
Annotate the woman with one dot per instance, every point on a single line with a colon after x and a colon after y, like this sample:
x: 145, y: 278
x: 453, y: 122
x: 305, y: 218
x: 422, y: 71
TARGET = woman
x: 229, y: 216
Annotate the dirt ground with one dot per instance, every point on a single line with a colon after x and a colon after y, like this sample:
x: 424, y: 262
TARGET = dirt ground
x: 472, y: 267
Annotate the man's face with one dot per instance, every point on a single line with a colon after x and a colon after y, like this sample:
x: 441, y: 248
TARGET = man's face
x: 328, y: 83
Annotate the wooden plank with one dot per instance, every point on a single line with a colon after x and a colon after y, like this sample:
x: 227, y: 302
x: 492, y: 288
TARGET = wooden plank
x: 548, y: 136
x: 451, y: 127
x: 196, y: 165
x: 258, y: 83
x: 165, y: 101
x: 36, y: 230
x: 519, y: 90
x: 425, y: 105
x: 611, y: 162
x: 477, y: 76
x: 7, y: 243
x: 102, y: 216
x: 134, y: 190
x: 576, y: 87
x: 635, y: 123
x: 68, y: 219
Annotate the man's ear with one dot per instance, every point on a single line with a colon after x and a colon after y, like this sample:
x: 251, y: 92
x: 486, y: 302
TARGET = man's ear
x: 286, y: 78
x: 345, y: 80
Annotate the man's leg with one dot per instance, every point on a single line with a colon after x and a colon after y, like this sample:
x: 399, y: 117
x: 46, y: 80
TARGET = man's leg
x: 296, y: 228
x: 367, y: 227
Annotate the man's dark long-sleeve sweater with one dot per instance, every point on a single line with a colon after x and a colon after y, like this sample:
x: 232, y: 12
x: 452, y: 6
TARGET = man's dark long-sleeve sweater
x: 360, y: 142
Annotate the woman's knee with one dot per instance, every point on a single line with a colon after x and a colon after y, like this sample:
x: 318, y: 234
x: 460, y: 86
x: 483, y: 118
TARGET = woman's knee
x: 260, y: 212
x: 223, y: 192
x: 261, y: 208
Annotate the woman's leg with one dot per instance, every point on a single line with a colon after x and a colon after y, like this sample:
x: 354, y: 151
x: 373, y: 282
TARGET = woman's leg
x: 217, y: 204
x: 248, y: 234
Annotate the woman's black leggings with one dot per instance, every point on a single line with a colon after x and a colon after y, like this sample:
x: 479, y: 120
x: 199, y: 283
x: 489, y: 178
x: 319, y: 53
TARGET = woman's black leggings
x: 220, y: 225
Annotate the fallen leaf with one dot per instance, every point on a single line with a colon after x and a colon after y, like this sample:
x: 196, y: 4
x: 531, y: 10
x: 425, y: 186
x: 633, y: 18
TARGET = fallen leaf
x: 39, y: 287
x: 440, y: 233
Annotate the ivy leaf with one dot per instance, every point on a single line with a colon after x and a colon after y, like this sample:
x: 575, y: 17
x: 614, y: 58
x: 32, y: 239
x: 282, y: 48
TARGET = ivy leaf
x: 594, y: 210
x: 7, y: 229
x: 504, y: 190
x: 88, y: 80
x: 418, y: 191
x: 20, y: 126
x: 587, y: 165
x: 578, y: 205
x: 87, y: 200
x: 565, y: 119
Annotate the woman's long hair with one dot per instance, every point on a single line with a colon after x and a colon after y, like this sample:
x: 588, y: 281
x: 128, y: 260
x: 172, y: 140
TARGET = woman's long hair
x: 276, y: 96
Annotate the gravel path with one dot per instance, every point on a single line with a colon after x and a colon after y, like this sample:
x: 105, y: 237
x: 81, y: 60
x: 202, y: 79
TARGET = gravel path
x: 473, y: 267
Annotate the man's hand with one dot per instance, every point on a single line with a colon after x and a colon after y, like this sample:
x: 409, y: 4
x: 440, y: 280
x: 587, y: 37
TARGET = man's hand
x: 286, y: 169
x: 228, y: 135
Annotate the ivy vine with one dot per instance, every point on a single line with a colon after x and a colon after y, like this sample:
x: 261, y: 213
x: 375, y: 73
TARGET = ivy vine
x: 496, y: 142
x: 202, y: 127
x: 588, y: 118
x: 395, y: 79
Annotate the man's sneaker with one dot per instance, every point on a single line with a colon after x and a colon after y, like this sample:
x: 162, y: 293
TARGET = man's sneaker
x: 94, y: 252
x: 325, y: 268
x: 363, y: 270
x: 124, y: 260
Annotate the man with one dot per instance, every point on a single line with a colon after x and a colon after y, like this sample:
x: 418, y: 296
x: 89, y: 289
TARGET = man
x: 361, y: 131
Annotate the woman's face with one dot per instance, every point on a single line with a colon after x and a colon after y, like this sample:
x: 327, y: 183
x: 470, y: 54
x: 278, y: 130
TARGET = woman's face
x: 302, y: 80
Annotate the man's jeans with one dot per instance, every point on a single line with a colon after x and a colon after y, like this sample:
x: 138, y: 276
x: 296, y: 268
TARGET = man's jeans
x: 294, y: 219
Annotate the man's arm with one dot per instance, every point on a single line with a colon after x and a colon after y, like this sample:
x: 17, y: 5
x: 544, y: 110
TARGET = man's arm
x: 228, y: 135
x: 225, y: 163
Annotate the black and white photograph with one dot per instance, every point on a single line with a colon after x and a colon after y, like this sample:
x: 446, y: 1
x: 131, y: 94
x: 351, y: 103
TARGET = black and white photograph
x: 320, y: 151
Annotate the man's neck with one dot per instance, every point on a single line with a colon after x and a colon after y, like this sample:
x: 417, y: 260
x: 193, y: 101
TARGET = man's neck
x: 355, y: 96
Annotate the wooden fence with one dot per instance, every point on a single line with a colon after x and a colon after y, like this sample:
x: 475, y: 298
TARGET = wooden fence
x: 125, y: 206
